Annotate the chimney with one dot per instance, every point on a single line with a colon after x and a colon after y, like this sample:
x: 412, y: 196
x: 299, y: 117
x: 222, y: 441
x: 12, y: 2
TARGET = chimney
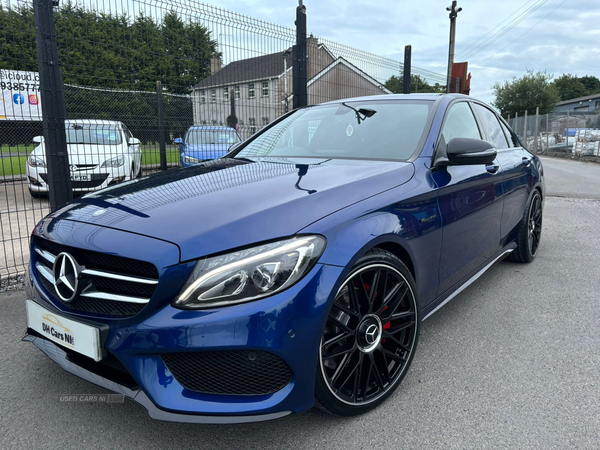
x: 215, y: 64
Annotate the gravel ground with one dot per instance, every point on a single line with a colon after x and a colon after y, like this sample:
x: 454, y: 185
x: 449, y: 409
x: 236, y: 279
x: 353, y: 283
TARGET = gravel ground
x: 511, y: 362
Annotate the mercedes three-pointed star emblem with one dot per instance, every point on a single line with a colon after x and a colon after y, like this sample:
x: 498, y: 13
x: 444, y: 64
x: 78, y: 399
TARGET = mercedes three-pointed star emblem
x: 66, y: 276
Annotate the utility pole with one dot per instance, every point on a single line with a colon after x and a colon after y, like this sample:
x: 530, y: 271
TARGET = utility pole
x: 54, y: 109
x: 453, y: 14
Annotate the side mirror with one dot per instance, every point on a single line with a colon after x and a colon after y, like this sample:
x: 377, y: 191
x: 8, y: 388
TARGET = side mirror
x: 232, y: 147
x: 38, y: 139
x: 178, y: 141
x: 133, y: 141
x: 464, y: 151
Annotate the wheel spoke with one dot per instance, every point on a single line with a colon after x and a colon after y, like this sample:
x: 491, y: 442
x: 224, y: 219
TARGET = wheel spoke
x: 396, y: 301
x: 401, y: 315
x: 387, y: 335
x: 339, y: 337
x: 347, y: 310
x: 339, y: 351
x: 341, y: 366
x: 399, y: 328
x: 354, y: 302
x: 357, y: 376
x: 392, y: 355
x: 340, y: 325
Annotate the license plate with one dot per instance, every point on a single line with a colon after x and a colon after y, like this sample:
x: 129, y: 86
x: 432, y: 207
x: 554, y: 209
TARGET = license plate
x: 81, y: 177
x: 76, y: 336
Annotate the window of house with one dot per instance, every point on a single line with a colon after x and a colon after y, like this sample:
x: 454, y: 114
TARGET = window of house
x: 225, y: 95
x: 214, y: 122
x: 251, y: 90
x: 265, y: 88
x: 265, y: 121
x: 237, y: 91
x: 204, y: 122
x: 202, y: 96
x: 213, y: 96
x: 252, y: 122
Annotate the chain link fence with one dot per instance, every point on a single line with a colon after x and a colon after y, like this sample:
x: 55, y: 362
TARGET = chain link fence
x: 149, y: 86
x: 571, y: 134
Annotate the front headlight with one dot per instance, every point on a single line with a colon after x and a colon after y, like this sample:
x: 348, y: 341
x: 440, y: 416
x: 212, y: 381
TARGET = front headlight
x: 249, y: 274
x: 35, y: 161
x: 117, y: 161
x: 190, y: 160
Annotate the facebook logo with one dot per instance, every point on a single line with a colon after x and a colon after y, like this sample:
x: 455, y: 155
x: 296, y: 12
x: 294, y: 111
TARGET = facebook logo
x: 18, y: 99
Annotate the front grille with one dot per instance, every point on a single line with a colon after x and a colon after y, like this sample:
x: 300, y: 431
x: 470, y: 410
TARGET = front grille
x: 112, y: 285
x: 97, y: 180
x: 232, y: 372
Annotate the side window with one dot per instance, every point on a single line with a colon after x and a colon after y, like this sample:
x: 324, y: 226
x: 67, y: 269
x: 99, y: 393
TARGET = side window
x: 509, y: 135
x: 491, y: 126
x: 460, y: 123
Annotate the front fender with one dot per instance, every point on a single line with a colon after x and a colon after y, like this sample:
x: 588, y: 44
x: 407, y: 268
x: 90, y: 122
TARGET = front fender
x: 406, y: 216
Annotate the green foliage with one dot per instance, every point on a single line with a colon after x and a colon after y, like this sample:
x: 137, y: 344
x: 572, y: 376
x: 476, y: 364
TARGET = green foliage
x: 417, y: 85
x: 112, y: 51
x: 109, y: 51
x: 571, y: 86
x: 526, y: 93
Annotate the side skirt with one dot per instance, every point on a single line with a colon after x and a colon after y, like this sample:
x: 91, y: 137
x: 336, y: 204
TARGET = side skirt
x: 467, y: 283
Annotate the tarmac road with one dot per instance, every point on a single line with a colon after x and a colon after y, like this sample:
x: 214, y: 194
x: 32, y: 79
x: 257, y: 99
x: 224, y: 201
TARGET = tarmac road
x: 511, y: 362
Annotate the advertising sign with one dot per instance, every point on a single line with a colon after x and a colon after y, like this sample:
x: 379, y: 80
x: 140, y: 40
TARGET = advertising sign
x: 20, y: 95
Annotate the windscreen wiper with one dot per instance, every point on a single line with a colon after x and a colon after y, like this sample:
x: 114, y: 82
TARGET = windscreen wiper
x: 362, y: 113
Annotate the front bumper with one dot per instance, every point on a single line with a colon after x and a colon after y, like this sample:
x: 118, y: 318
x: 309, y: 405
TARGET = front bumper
x: 100, y: 178
x: 288, y: 325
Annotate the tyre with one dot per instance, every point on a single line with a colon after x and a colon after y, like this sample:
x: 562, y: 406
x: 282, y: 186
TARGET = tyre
x: 370, y: 336
x: 530, y: 231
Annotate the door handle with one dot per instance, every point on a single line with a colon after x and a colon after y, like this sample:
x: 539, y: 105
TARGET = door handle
x: 492, y: 168
x: 526, y: 161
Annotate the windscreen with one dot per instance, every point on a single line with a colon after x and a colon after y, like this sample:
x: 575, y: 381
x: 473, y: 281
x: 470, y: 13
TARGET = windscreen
x: 366, y: 130
x: 212, y: 137
x: 93, y: 134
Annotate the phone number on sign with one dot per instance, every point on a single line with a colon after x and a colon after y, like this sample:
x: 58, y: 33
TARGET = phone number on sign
x: 16, y: 86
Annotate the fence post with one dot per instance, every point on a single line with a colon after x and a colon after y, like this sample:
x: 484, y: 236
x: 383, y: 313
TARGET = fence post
x: 161, y: 127
x: 567, y: 138
x: 516, y: 123
x: 406, y: 75
x: 537, y: 113
x: 525, y: 129
x: 547, y: 134
x: 300, y: 66
x: 54, y: 108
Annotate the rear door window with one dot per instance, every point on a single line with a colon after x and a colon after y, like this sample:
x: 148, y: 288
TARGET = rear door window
x: 491, y: 127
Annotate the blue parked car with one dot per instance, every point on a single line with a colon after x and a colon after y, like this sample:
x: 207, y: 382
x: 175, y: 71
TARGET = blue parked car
x: 294, y: 271
x: 203, y: 143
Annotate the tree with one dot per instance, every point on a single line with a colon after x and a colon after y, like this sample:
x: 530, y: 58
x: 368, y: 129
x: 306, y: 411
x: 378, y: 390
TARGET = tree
x: 571, y: 86
x: 417, y: 85
x: 526, y: 93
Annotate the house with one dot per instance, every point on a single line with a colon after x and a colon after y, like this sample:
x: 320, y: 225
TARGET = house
x: 589, y: 103
x: 262, y: 87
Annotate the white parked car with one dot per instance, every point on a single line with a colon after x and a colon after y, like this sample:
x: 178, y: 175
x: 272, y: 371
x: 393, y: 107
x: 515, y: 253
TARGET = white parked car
x: 101, y: 153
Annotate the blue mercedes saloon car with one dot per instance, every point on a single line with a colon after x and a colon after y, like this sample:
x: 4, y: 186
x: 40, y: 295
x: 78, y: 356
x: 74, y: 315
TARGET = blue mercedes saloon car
x: 202, y: 143
x: 295, y: 270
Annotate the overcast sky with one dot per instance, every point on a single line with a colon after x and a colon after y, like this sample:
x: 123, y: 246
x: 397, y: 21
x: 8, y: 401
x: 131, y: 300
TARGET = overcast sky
x: 565, y: 37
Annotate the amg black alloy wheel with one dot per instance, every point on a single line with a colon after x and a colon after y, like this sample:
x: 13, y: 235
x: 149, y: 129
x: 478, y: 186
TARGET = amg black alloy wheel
x: 530, y: 231
x: 370, y: 336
